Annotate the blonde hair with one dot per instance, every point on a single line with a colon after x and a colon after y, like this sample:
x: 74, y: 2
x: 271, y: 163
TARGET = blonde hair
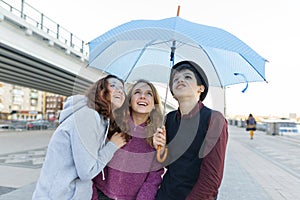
x: 155, y: 118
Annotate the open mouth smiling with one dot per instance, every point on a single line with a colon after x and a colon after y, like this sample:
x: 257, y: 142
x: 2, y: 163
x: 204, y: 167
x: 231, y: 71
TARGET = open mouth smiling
x: 142, y: 103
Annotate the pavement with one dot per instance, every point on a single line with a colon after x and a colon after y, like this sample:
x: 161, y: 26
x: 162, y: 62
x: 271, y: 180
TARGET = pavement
x: 21, y: 158
x: 248, y: 175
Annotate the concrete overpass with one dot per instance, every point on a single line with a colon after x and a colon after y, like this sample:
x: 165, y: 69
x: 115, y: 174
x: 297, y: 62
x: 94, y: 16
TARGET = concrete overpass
x: 40, y: 54
x: 34, y: 55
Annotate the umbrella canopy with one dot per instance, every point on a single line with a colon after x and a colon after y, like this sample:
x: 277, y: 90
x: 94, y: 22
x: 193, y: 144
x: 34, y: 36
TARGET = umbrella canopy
x: 142, y: 48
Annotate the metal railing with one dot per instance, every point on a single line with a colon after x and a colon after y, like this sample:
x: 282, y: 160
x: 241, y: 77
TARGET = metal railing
x: 47, y: 25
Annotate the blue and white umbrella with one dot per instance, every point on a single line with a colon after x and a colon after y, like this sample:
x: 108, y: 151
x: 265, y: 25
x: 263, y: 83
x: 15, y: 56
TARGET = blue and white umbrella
x: 148, y: 49
x: 142, y: 49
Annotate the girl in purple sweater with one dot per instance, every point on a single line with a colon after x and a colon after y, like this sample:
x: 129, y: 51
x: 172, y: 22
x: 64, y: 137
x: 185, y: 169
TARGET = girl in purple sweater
x: 133, y: 173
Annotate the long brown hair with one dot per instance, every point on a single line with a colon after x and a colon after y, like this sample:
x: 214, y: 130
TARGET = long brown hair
x: 155, y: 118
x: 99, y: 100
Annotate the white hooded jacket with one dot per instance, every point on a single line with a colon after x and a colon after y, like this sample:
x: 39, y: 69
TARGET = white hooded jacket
x: 76, y: 153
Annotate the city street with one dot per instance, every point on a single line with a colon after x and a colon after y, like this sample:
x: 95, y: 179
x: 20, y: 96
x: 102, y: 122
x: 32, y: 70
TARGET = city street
x: 265, y: 168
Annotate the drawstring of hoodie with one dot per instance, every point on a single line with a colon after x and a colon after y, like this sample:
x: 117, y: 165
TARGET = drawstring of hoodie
x: 103, y: 143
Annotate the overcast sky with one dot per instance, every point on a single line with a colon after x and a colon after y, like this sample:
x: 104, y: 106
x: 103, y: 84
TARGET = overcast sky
x: 270, y: 27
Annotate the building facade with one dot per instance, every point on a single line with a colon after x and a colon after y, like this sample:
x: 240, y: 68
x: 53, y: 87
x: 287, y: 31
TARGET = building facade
x: 20, y: 103
x: 54, y: 104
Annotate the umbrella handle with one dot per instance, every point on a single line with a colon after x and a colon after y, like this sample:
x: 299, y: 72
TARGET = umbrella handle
x: 158, y: 157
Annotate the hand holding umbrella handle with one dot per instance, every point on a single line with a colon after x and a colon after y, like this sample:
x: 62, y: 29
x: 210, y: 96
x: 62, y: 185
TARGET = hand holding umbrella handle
x: 158, y: 154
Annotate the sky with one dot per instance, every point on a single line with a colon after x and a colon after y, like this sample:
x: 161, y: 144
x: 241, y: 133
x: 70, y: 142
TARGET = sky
x: 270, y: 27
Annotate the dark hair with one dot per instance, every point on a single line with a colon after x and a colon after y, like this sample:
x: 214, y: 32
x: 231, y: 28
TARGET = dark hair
x: 99, y: 100
x: 155, y: 118
x: 196, y: 69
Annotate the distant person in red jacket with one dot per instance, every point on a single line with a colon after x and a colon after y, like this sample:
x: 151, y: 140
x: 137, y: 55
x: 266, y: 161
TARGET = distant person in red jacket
x: 196, y: 137
x: 251, y: 125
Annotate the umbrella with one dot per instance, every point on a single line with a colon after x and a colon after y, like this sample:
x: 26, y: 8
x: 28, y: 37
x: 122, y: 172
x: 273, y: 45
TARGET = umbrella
x: 140, y: 46
x: 149, y: 48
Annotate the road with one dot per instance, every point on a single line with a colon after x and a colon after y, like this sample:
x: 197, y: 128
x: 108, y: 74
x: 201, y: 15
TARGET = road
x: 265, y: 168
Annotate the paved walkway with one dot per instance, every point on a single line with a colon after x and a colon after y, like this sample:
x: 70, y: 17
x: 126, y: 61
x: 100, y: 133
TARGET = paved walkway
x: 252, y: 175
x: 21, y: 156
x: 248, y: 175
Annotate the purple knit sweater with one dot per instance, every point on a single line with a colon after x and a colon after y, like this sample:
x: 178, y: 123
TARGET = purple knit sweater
x: 133, y: 173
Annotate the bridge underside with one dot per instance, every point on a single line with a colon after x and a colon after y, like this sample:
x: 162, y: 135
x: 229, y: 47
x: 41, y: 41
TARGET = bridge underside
x: 19, y: 68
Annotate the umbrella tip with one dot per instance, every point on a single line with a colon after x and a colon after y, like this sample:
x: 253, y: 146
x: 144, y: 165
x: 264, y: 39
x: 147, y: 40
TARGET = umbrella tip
x: 178, y: 10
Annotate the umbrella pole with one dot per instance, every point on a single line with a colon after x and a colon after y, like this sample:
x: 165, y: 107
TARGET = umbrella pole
x: 165, y: 106
x: 172, y: 54
x: 158, y: 155
x: 173, y: 48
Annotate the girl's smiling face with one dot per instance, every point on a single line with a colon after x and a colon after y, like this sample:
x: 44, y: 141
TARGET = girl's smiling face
x: 142, y: 100
x: 116, y: 91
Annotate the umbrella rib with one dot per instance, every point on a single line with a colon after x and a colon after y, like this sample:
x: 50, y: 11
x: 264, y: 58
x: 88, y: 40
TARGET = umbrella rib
x: 138, y: 58
x: 90, y: 61
x: 253, y: 68
x: 163, y: 42
x: 222, y: 86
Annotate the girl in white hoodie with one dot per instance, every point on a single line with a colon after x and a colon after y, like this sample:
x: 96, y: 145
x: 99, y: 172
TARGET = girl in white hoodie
x: 79, y: 148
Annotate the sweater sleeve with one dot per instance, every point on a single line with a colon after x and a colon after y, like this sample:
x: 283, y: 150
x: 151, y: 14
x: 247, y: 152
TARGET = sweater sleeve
x: 150, y: 186
x: 86, y: 139
x: 211, y: 171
